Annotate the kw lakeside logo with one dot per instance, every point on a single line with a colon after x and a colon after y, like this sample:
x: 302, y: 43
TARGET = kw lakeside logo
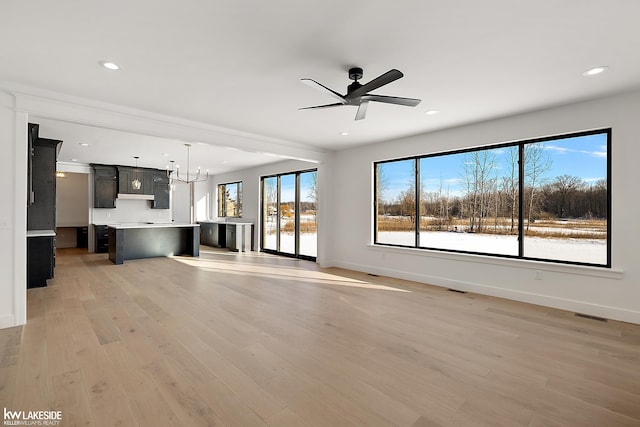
x: 32, y: 418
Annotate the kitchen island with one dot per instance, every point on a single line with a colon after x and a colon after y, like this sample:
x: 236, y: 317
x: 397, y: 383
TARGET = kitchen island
x: 135, y: 241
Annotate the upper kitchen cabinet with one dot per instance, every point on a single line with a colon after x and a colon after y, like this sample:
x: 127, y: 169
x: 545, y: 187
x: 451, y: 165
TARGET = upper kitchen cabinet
x: 113, y: 181
x: 161, y: 198
x: 41, y: 213
x: 126, y: 176
x: 105, y: 186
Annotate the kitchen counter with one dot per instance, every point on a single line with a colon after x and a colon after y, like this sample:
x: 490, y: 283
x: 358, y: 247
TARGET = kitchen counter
x: 148, y: 225
x: 135, y: 241
x: 41, y: 233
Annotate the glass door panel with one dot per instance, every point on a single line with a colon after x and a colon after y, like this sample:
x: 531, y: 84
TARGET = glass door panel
x: 308, y: 208
x: 270, y: 213
x: 287, y: 214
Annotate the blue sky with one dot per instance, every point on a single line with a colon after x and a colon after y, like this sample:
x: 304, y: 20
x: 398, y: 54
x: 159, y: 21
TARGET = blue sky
x: 288, y: 189
x: 584, y: 157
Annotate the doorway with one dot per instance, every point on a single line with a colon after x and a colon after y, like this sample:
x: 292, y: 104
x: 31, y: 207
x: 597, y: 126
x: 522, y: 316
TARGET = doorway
x: 289, y: 214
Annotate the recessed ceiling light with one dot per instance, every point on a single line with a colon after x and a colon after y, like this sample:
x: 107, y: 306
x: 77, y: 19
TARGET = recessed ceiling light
x: 110, y: 65
x: 595, y: 71
x: 431, y: 112
x: 344, y: 133
x: 84, y: 144
x: 74, y: 160
x: 165, y: 154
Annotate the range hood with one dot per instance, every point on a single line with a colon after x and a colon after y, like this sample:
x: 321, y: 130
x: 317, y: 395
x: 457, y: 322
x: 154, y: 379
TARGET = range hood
x: 136, y: 196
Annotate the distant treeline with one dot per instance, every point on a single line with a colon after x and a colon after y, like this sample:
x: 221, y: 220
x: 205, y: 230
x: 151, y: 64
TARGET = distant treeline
x: 565, y: 197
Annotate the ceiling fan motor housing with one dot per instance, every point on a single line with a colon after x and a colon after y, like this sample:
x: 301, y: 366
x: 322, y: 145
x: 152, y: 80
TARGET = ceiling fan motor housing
x: 355, y: 73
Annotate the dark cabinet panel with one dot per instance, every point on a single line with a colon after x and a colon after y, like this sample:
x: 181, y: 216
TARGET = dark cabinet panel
x: 105, y: 186
x: 41, y: 214
x: 161, y: 191
x: 82, y: 237
x: 147, y: 182
x: 101, y: 238
x: 212, y: 234
x: 40, y: 260
x: 126, y: 176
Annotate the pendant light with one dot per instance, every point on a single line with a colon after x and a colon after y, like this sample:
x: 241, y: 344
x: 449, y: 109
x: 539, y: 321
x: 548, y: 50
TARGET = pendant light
x: 136, y: 184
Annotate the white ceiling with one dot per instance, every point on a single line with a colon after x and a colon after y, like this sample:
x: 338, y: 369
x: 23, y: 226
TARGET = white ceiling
x: 238, y: 65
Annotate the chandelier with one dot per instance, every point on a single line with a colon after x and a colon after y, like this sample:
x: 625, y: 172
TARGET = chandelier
x: 188, y: 177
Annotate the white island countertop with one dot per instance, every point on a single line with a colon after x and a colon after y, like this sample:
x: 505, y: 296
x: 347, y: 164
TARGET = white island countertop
x: 147, y: 225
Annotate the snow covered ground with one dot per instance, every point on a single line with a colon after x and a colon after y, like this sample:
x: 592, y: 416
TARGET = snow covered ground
x: 577, y: 250
x: 308, y: 243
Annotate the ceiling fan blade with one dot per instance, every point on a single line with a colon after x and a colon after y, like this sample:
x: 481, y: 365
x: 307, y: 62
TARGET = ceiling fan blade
x: 409, y: 102
x: 386, y: 78
x: 338, y: 104
x: 324, y: 89
x: 362, y: 110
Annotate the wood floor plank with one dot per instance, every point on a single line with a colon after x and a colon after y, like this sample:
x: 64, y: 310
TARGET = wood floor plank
x: 255, y: 339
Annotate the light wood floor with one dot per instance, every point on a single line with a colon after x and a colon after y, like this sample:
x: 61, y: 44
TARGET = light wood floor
x: 253, y: 339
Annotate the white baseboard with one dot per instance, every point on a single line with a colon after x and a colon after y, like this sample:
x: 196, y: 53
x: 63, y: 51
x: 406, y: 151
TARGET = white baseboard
x: 581, y: 307
x: 7, y: 321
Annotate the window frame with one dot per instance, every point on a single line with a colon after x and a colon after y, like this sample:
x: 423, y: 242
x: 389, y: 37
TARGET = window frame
x: 277, y: 251
x: 521, y: 191
x: 222, y: 201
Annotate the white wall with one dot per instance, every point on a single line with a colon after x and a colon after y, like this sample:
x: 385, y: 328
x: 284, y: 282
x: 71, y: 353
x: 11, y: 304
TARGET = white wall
x: 128, y: 210
x: 72, y: 200
x: 12, y: 227
x: 611, y: 293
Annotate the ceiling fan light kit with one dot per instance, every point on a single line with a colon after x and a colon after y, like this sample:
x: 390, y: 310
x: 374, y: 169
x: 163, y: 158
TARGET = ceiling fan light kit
x: 358, y: 94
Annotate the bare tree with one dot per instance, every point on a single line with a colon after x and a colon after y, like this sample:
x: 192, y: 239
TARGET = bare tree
x: 478, y: 167
x: 313, y: 194
x: 510, y: 185
x: 536, y: 164
x: 382, y: 185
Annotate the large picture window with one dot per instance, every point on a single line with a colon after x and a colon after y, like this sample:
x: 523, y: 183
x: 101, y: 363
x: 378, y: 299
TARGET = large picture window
x: 546, y: 199
x: 230, y: 200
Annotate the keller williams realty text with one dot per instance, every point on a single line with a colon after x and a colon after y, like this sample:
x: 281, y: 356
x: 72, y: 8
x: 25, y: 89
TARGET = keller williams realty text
x: 32, y: 418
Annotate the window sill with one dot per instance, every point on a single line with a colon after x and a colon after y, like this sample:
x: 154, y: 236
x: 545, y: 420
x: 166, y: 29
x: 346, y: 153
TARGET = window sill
x: 609, y: 273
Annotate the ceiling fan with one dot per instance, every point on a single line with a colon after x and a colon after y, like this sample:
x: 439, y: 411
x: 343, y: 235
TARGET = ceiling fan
x: 358, y: 94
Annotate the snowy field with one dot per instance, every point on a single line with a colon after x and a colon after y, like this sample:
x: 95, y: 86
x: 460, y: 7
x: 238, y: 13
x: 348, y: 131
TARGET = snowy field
x: 578, y: 250
x: 308, y: 243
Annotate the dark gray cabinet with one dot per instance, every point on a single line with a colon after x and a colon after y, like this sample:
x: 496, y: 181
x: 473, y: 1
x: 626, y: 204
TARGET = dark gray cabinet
x: 161, y: 197
x: 212, y: 234
x: 126, y: 176
x: 41, y: 260
x: 236, y: 236
x: 41, y: 214
x: 101, y: 238
x: 105, y: 186
x: 41, y: 207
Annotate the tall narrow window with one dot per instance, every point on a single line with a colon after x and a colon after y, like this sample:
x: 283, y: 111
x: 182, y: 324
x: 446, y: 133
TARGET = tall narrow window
x: 230, y: 200
x: 545, y: 199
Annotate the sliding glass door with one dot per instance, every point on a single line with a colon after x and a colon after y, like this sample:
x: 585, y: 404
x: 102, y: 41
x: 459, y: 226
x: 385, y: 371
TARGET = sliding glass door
x: 289, y: 207
x: 287, y: 214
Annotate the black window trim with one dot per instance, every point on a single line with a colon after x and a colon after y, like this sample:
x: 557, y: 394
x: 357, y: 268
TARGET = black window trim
x: 223, y: 212
x: 521, y: 182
